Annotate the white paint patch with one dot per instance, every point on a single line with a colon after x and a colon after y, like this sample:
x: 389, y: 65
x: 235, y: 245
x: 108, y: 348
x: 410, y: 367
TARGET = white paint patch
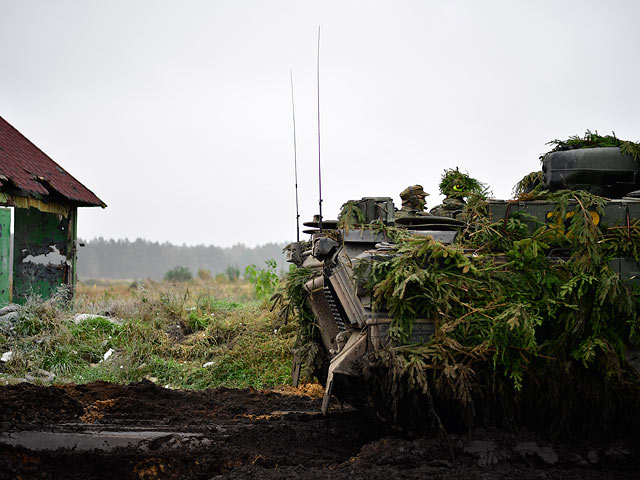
x: 81, y: 317
x: 52, y: 258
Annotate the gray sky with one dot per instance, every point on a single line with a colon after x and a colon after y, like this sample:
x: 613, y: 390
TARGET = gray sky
x: 177, y: 114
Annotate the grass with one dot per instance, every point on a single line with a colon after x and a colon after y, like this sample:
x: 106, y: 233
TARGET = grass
x: 197, y: 334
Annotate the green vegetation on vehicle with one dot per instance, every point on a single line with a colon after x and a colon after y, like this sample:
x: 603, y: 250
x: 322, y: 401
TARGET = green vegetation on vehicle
x: 593, y: 140
x: 516, y: 330
x: 531, y: 308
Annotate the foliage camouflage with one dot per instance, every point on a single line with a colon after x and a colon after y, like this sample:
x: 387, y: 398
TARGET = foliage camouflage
x: 530, y: 184
x: 350, y: 215
x: 592, y: 140
x: 538, y: 339
x: 455, y: 184
x: 521, y: 338
x: 291, y: 303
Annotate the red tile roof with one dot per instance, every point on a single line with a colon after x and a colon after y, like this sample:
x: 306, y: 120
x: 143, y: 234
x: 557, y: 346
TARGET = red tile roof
x: 31, y: 170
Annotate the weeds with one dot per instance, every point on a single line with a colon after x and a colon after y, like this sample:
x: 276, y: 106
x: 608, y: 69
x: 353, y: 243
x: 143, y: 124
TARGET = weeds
x: 202, y: 333
x: 264, y: 280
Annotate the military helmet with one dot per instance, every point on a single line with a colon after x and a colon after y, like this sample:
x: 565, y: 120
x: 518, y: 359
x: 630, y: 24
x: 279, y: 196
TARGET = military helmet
x: 455, y: 184
x: 412, y: 191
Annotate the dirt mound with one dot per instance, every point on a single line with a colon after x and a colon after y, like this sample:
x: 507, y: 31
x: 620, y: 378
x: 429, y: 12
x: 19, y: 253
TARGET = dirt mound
x: 26, y: 404
x: 311, y: 390
x: 143, y: 431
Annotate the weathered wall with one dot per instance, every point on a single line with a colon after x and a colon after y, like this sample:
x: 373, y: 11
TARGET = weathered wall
x: 5, y: 255
x: 44, y: 253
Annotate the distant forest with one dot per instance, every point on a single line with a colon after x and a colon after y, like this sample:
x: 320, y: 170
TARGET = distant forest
x: 123, y: 259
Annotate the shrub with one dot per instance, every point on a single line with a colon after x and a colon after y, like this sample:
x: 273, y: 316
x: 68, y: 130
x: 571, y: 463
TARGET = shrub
x: 232, y: 272
x: 204, y: 274
x: 178, y: 274
x: 264, y: 280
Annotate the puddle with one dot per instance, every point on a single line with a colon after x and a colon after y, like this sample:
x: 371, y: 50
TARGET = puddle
x: 97, y: 440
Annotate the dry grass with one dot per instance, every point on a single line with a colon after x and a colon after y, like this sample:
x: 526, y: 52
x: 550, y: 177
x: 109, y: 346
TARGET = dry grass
x: 196, y: 334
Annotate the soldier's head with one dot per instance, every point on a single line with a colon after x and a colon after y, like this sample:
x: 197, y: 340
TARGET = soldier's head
x: 413, y: 198
x: 455, y: 184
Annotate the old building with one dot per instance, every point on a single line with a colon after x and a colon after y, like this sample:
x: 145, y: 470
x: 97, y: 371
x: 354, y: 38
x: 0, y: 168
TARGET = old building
x: 45, y: 199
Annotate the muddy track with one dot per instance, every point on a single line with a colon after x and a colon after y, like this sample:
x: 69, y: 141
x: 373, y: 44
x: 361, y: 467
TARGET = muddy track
x: 143, y: 431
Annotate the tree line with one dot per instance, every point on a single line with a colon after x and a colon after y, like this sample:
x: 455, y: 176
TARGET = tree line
x: 124, y: 259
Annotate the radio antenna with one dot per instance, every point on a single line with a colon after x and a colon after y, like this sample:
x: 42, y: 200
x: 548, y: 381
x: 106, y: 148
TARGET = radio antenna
x: 319, y: 169
x: 295, y: 158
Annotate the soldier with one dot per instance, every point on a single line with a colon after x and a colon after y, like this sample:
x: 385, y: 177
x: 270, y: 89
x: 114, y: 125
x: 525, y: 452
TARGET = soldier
x: 456, y: 185
x: 450, y: 207
x: 413, y: 203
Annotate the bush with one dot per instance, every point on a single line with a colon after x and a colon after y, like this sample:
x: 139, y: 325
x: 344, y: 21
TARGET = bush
x: 204, y: 274
x: 178, y: 274
x: 232, y: 272
x: 264, y: 280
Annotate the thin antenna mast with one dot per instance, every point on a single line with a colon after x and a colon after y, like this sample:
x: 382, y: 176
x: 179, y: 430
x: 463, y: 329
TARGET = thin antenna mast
x: 319, y: 169
x: 295, y: 157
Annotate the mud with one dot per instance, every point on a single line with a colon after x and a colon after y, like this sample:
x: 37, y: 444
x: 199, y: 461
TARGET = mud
x: 143, y: 431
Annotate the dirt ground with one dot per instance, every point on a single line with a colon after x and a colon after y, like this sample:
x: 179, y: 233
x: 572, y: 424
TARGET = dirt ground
x: 144, y: 431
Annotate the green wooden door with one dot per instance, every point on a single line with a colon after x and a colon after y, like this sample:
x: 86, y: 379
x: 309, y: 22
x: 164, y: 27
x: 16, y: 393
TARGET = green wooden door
x: 5, y: 245
x: 43, y: 256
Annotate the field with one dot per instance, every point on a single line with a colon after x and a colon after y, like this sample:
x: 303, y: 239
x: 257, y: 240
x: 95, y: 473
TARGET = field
x: 196, y: 334
x: 191, y: 380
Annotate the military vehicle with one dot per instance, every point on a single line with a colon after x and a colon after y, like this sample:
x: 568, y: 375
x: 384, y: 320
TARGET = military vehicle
x: 351, y: 327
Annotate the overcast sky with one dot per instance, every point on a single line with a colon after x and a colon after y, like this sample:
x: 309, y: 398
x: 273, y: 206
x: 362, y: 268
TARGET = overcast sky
x: 177, y: 114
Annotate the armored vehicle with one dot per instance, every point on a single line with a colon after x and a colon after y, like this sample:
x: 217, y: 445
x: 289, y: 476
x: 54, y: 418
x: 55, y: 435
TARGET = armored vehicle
x: 340, y: 255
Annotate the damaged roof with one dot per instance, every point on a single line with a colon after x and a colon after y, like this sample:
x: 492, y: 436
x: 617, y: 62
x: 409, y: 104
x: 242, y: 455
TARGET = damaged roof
x: 25, y: 167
